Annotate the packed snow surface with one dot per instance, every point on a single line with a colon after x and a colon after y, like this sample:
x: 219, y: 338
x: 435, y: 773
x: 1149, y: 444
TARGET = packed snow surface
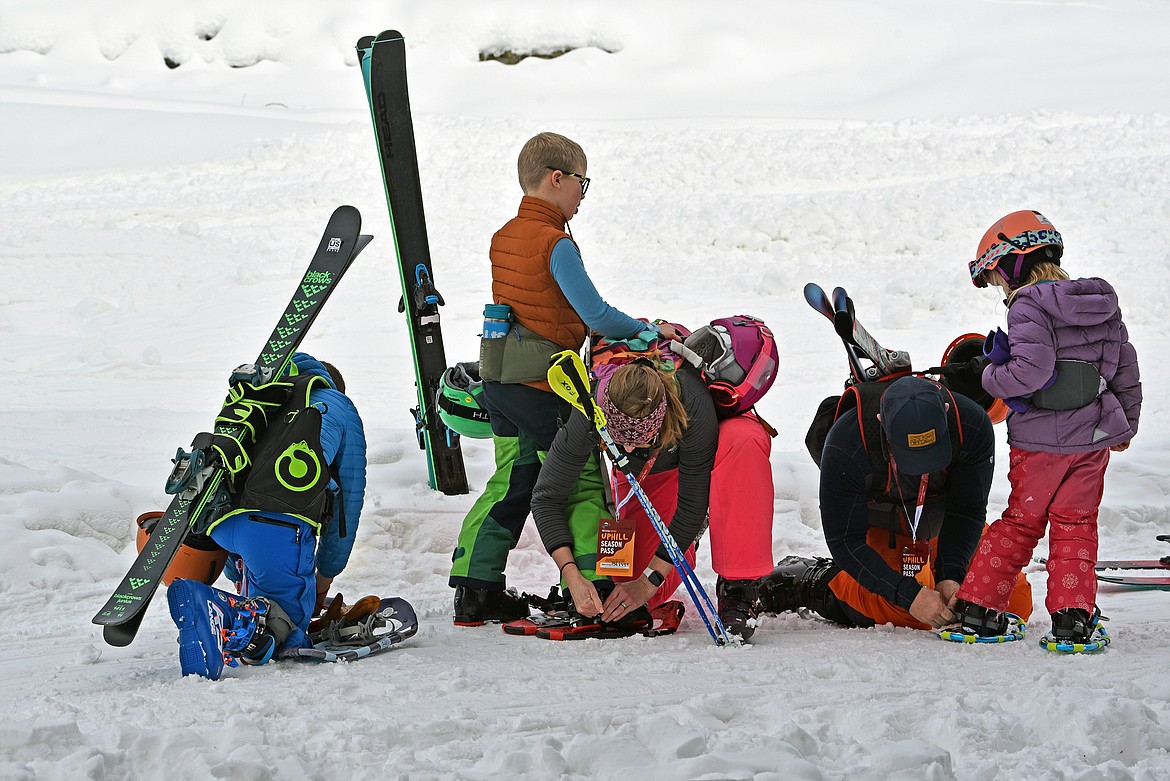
x: 166, y: 170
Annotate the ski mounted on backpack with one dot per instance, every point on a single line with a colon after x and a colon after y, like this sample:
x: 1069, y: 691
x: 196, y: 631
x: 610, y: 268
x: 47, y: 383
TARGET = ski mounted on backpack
x: 859, y: 343
x: 569, y: 380
x: 200, y: 480
x: 383, y: 66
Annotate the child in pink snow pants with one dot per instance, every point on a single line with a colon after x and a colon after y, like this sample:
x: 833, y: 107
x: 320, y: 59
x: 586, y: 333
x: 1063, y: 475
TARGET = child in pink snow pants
x: 1062, y: 427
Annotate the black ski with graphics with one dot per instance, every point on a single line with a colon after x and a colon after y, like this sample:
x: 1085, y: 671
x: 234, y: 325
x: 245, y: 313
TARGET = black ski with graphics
x: 198, y: 478
x: 383, y: 66
x: 852, y: 332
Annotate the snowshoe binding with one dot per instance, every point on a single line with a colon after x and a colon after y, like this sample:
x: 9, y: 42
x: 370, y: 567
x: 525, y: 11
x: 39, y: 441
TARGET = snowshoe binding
x: 662, y: 620
x: 978, y: 624
x: 358, y: 631
x: 552, y: 612
x: 1076, y: 631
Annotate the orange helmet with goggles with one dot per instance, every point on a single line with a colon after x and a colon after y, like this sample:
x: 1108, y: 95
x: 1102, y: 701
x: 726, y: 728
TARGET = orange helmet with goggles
x: 1010, y: 247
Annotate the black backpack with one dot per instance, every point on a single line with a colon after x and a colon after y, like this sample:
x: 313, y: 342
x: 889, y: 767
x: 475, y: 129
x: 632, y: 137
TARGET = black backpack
x: 278, y: 465
x: 866, y: 397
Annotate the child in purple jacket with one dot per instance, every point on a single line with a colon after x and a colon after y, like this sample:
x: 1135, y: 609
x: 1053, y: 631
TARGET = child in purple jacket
x: 1067, y: 370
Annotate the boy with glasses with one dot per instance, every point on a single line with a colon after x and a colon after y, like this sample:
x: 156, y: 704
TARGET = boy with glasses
x: 537, y: 271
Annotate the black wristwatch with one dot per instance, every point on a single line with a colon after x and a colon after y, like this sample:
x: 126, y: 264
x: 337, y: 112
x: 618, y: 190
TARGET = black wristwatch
x: 655, y: 577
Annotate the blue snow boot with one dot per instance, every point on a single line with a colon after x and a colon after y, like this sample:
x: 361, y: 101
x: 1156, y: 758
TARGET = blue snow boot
x: 218, y: 628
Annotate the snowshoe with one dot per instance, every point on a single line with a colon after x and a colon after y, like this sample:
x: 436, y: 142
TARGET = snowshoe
x: 1075, y: 631
x: 356, y: 634
x: 978, y: 624
x: 664, y: 620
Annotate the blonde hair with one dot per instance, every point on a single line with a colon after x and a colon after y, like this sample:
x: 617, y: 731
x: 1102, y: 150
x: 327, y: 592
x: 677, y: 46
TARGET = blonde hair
x: 637, y: 388
x: 548, y: 150
x: 1044, y: 271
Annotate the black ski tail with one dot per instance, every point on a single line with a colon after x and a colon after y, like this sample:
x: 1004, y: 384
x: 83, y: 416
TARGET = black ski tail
x: 818, y: 299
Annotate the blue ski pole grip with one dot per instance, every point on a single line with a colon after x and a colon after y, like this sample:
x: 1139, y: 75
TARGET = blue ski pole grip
x: 497, y: 321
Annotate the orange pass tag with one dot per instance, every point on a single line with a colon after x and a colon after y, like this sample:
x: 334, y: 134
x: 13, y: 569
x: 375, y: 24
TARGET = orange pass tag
x: 615, y: 547
x: 914, y: 558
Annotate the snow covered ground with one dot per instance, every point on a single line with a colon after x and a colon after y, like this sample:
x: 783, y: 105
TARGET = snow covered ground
x: 156, y: 218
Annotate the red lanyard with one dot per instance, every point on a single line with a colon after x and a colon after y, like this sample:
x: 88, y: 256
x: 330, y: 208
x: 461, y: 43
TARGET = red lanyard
x: 641, y: 476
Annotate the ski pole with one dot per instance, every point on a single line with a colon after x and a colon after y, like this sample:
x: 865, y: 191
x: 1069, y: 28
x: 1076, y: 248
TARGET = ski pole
x: 568, y: 379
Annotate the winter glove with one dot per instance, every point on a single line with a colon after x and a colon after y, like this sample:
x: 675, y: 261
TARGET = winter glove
x: 995, y: 347
x: 977, y: 364
x: 1017, y: 404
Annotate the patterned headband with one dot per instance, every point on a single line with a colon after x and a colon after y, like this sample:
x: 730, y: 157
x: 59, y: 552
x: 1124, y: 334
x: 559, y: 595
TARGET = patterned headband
x: 628, y: 430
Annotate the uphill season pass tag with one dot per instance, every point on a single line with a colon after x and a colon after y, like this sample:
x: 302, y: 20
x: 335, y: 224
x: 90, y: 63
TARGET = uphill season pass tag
x: 615, y: 547
x: 914, y: 558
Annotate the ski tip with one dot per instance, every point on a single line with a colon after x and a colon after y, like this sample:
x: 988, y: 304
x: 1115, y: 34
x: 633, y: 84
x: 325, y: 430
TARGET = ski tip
x: 364, y: 43
x: 389, y: 35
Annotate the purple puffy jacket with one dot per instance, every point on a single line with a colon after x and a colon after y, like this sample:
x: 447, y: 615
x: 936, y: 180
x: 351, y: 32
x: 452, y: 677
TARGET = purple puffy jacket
x: 1074, y: 319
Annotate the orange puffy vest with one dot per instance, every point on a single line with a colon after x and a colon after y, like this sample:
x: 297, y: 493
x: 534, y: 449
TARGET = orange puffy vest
x: 521, y: 254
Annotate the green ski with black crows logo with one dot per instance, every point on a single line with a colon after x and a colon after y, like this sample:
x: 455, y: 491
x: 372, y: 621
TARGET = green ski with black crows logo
x: 200, y: 480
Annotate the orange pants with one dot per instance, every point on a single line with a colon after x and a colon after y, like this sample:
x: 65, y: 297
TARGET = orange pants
x: 882, y: 611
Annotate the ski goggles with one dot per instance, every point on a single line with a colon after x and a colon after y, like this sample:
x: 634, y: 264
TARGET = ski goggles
x: 1022, y: 244
x: 713, y: 344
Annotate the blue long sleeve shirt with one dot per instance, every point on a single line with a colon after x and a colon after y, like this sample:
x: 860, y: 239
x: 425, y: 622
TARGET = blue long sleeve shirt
x: 569, y: 271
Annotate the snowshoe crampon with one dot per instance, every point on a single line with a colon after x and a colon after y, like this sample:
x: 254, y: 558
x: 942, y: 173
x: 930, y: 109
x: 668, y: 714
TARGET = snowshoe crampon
x: 1016, y: 629
x: 347, y: 640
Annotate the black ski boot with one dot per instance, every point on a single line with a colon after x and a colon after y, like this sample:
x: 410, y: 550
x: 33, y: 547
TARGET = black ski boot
x: 798, y: 582
x: 474, y: 606
x: 739, y: 605
x: 1074, y: 625
x: 980, y: 621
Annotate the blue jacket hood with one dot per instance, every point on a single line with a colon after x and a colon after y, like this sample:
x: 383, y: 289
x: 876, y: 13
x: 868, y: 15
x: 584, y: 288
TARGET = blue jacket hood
x: 303, y: 363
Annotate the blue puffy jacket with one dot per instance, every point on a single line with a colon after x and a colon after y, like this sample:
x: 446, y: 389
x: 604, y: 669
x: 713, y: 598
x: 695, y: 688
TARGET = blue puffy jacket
x: 343, y: 441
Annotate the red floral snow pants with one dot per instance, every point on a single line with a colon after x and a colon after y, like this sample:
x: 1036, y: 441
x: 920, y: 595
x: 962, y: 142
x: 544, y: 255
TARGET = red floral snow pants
x: 740, y: 508
x: 1063, y: 493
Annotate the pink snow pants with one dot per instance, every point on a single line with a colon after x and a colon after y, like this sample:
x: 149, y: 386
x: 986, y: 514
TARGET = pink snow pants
x: 740, y: 508
x: 1062, y: 492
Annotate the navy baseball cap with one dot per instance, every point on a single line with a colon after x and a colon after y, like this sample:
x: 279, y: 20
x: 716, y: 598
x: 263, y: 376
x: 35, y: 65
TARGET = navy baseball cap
x: 914, y: 419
